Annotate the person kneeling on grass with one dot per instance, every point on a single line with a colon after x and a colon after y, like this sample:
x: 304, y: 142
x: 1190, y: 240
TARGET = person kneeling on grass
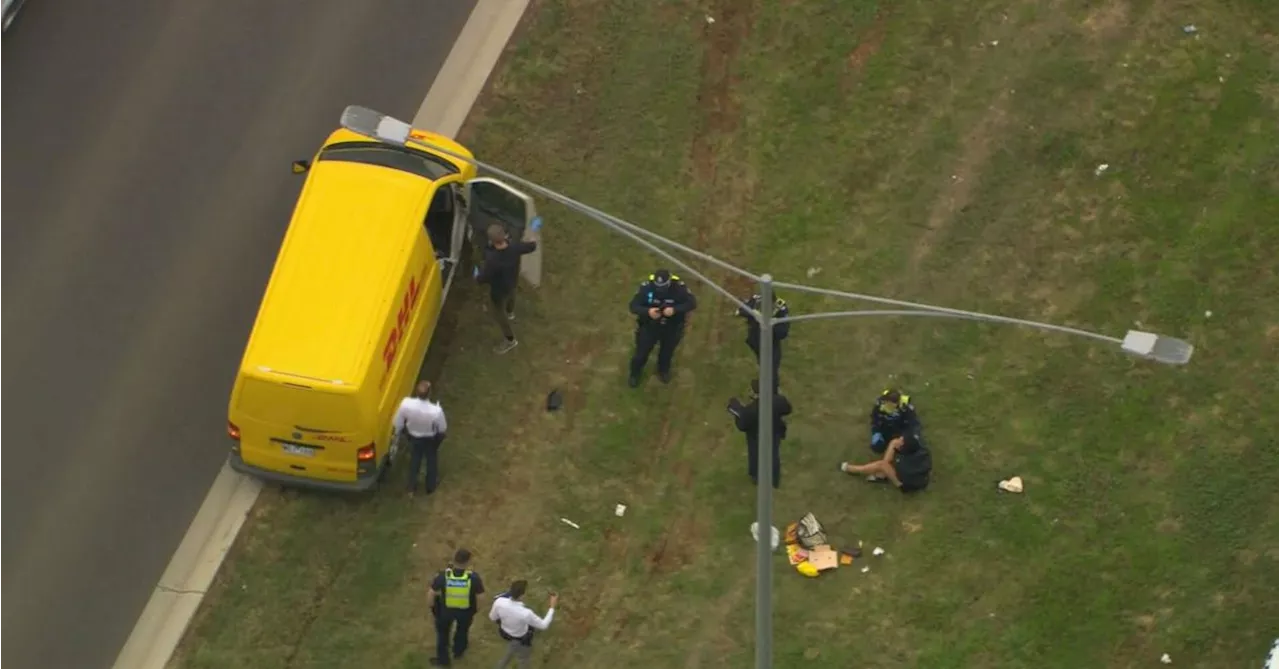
x: 906, y: 463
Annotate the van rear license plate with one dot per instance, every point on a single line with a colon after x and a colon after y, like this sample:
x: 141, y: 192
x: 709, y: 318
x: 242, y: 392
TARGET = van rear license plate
x: 294, y: 449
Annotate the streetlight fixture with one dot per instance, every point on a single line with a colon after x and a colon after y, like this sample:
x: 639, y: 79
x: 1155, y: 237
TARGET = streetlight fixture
x: 1146, y: 345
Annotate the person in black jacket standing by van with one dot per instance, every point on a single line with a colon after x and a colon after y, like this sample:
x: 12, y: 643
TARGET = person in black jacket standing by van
x: 501, y: 270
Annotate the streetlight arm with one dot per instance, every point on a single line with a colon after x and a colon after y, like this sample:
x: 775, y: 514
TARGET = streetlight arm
x: 1159, y: 348
x: 944, y: 314
x: 380, y: 126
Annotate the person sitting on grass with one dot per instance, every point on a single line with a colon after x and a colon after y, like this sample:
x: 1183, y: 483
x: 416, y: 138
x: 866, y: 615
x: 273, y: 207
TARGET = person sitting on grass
x: 906, y: 464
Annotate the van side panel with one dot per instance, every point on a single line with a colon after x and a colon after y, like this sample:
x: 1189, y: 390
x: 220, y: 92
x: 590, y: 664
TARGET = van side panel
x: 407, y: 335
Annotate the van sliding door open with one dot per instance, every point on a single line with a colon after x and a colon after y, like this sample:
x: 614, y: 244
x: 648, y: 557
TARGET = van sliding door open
x: 491, y: 201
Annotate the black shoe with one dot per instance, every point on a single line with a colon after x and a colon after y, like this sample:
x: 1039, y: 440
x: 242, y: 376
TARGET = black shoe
x: 633, y: 381
x: 665, y: 376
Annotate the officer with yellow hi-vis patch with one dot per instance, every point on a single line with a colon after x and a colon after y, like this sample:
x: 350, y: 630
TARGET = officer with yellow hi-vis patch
x: 660, y: 306
x: 892, y: 416
x: 452, y: 600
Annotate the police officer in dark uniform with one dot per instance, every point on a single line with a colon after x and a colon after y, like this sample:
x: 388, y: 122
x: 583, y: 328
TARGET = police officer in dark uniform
x: 660, y: 307
x: 780, y: 330
x: 892, y: 416
x: 747, y: 419
x: 452, y: 600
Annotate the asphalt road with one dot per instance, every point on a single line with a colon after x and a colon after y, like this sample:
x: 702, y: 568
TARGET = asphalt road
x: 146, y: 187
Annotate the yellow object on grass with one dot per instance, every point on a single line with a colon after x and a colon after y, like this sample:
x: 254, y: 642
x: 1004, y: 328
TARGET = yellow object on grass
x: 807, y: 569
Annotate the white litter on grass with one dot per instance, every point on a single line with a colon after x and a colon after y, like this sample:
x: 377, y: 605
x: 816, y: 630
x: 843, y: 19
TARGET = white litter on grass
x: 755, y: 535
x: 866, y: 569
x: 1165, y: 659
x: 1100, y: 169
x: 570, y: 523
x: 620, y: 510
x: 1208, y: 314
x: 812, y: 272
x: 995, y: 42
x: 710, y: 20
x: 878, y: 551
x: 1189, y: 29
x: 1013, y: 485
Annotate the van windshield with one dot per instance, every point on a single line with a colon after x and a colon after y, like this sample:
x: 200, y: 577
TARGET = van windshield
x: 290, y: 407
x: 400, y: 158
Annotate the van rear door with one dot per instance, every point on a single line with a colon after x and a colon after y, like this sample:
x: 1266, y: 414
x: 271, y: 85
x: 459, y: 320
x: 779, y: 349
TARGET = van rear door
x: 304, y: 428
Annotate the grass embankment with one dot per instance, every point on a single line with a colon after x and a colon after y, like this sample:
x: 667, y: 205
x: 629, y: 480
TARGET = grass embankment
x: 941, y: 152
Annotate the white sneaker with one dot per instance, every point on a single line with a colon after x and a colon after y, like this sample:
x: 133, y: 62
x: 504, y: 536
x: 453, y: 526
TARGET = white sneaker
x: 505, y: 346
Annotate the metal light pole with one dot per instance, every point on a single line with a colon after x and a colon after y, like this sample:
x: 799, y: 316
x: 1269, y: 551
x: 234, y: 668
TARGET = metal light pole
x: 764, y: 482
x: 1146, y: 345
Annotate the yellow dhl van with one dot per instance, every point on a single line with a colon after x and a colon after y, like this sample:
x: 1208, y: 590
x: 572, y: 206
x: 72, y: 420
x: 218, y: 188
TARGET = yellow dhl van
x: 352, y: 304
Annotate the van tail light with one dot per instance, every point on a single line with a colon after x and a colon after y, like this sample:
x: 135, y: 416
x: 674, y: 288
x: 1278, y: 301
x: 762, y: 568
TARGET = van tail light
x: 366, y: 453
x: 233, y: 431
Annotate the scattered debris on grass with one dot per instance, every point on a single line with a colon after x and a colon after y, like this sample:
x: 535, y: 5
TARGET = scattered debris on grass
x: 1165, y: 659
x: 570, y: 523
x: 878, y: 551
x: 1100, y: 169
x: 776, y: 537
x: 1013, y: 485
x: 620, y: 510
x: 1190, y: 29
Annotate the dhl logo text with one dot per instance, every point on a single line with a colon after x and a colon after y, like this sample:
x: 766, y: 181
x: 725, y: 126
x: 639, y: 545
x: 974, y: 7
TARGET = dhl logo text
x: 398, y: 331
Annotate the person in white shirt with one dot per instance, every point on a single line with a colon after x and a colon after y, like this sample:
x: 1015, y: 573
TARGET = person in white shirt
x: 517, y: 622
x: 422, y: 422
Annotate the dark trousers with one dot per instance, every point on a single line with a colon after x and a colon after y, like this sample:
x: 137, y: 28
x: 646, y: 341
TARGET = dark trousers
x: 665, y: 337
x: 777, y: 355
x: 753, y: 460
x: 424, y: 449
x: 502, y: 307
x: 445, y: 622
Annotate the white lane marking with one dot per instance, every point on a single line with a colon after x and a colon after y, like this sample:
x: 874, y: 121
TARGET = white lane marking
x: 224, y: 510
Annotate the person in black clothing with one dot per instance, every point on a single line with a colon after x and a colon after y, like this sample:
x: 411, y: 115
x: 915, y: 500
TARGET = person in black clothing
x: 501, y: 270
x: 907, y: 464
x: 892, y: 416
x: 780, y: 330
x: 452, y: 600
x: 660, y: 306
x: 747, y: 419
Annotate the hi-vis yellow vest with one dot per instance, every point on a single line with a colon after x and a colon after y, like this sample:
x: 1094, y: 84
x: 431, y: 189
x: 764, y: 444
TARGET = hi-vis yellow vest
x: 457, y: 589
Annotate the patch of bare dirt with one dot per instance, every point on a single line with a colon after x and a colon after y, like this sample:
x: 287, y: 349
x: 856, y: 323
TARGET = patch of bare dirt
x: 727, y: 178
x: 870, y: 43
x: 963, y: 175
x: 1107, y: 20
